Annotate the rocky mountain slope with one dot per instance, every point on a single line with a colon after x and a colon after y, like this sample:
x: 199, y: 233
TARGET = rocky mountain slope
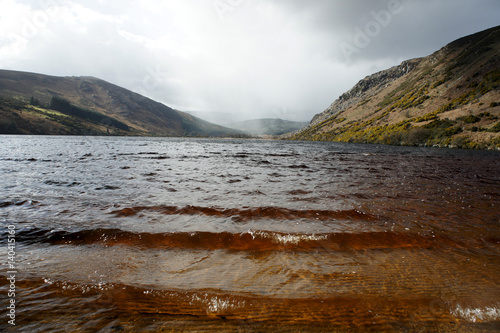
x: 450, y: 98
x: 25, y: 100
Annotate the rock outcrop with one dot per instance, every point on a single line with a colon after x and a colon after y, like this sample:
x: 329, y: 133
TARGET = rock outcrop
x: 449, y: 98
x: 364, y: 88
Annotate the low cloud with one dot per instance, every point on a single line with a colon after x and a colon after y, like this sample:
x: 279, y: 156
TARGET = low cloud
x: 281, y: 58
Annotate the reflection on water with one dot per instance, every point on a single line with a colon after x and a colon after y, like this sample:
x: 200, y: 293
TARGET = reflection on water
x: 142, y: 234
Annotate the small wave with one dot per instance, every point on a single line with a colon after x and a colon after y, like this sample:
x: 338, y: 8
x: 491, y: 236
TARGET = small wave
x: 215, y: 303
x: 159, y: 157
x: 251, y: 240
x: 62, y: 183
x: 479, y: 314
x: 275, y: 213
x: 108, y: 301
x: 288, y: 238
x: 301, y: 166
x: 31, y: 159
x: 299, y: 192
x: 198, y: 302
x: 107, y: 187
x: 282, y: 155
x: 4, y: 204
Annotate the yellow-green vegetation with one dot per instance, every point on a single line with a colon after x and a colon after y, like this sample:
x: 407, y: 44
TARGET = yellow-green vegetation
x: 411, y: 97
x: 437, y: 132
x: 450, y: 98
x: 440, y: 82
x: 423, y: 130
x: 442, y: 133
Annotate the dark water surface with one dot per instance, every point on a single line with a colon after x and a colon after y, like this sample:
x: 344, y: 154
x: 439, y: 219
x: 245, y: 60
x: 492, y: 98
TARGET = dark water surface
x: 161, y: 235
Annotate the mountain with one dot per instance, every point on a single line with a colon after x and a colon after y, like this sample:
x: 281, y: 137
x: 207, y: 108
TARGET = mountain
x: 263, y: 127
x: 219, y: 118
x: 41, y: 104
x: 254, y: 127
x: 450, y: 98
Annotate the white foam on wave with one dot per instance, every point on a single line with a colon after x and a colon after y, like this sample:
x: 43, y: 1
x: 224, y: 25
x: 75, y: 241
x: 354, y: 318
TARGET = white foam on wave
x: 287, y: 238
x: 216, y: 304
x: 485, y: 314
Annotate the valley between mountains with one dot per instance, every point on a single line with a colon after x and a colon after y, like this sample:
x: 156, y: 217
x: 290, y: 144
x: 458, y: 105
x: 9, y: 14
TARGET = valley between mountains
x: 450, y: 98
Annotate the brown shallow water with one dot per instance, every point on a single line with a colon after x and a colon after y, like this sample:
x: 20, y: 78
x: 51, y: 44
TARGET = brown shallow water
x: 152, y: 235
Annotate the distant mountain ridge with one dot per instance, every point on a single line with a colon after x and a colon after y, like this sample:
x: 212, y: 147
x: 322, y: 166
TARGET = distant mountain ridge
x: 267, y: 127
x: 142, y: 115
x: 450, y: 98
x: 219, y: 118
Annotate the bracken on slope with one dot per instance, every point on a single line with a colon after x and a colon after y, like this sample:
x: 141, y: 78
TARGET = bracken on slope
x: 449, y: 99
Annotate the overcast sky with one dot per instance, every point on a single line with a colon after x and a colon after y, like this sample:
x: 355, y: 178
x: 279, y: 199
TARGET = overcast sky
x: 259, y: 58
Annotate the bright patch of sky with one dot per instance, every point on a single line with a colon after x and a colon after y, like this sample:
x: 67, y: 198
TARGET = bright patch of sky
x: 261, y: 58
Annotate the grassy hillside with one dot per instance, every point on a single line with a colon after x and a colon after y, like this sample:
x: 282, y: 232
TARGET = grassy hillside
x: 450, y: 98
x: 19, y: 117
x: 104, y: 108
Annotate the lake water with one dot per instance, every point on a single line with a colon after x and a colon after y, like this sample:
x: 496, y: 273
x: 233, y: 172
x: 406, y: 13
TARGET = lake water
x: 158, y: 235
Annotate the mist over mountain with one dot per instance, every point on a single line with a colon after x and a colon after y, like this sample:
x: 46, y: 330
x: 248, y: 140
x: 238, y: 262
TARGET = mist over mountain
x: 267, y: 127
x: 220, y: 118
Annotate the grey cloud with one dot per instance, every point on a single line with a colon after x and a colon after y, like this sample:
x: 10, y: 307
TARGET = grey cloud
x: 263, y: 58
x: 417, y: 29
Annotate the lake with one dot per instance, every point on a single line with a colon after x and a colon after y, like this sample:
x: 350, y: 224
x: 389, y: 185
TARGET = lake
x: 113, y: 234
